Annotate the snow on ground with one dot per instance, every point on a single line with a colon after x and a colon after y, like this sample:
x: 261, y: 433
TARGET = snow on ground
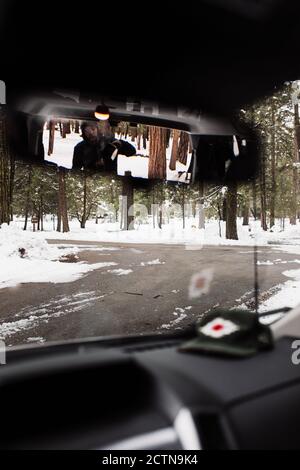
x: 288, y: 295
x: 120, y: 272
x: 283, y: 295
x: 82, y: 247
x: 151, y: 263
x: 38, y: 261
x: 180, y: 314
x: 35, y: 339
x: 173, y: 233
x: 31, y: 317
x: 17, y: 270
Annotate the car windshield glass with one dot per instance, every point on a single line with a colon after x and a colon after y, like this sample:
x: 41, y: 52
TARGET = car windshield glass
x: 89, y: 254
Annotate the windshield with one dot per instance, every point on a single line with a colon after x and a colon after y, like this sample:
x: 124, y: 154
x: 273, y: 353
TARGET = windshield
x: 77, y: 262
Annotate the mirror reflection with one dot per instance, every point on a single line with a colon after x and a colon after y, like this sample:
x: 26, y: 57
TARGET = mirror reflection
x: 120, y: 148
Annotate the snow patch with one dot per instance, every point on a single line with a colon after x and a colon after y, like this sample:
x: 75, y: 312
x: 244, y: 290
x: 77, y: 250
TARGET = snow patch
x: 34, y: 316
x: 37, y: 339
x: 39, y: 260
x: 120, y: 272
x: 151, y: 263
x: 173, y: 323
x: 182, y: 315
x: 288, y: 294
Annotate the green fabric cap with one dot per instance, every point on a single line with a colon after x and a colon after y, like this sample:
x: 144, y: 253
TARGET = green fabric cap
x: 230, y: 333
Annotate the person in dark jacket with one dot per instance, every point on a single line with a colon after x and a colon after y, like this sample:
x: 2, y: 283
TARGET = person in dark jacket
x: 98, y: 152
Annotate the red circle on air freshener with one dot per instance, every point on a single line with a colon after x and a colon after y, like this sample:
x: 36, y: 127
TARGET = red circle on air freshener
x: 218, y: 327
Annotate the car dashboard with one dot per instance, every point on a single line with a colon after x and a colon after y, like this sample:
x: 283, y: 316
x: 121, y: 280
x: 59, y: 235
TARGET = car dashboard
x: 147, y: 395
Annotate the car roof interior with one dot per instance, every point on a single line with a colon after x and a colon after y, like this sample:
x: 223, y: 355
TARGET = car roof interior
x: 215, y: 55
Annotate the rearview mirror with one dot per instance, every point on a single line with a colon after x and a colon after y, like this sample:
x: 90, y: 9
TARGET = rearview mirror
x: 151, y: 144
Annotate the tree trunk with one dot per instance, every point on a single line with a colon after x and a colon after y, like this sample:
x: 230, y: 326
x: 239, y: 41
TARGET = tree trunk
x: 153, y: 208
x: 246, y: 214
x: 224, y: 209
x: 183, y: 206
x: 263, y: 197
x: 254, y: 199
x: 5, y: 208
x: 183, y: 147
x: 219, y: 219
x: 201, y: 206
x: 273, y: 169
x: 65, y: 129
x: 145, y: 136
x: 83, y: 219
x: 51, y: 137
x: 157, y: 153
x: 294, y: 208
x: 28, y: 197
x: 127, y: 202
x: 160, y: 208
x: 139, y: 141
x: 174, y: 151
x: 42, y: 210
x: 65, y: 220
x: 62, y: 214
x: 231, y: 212
x: 11, y: 184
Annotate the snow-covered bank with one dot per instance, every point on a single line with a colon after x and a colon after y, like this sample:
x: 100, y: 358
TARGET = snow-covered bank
x: 288, y: 294
x: 26, y: 257
x: 173, y: 233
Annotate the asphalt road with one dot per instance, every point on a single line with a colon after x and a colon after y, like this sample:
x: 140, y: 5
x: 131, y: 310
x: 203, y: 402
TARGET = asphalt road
x: 150, y: 298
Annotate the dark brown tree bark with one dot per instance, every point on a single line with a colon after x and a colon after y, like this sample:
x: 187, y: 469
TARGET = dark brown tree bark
x: 220, y: 218
x: 157, y: 153
x: 174, y: 151
x: 254, y: 211
x: 65, y: 129
x: 42, y: 210
x: 263, y: 195
x: 126, y: 131
x: 231, y: 212
x: 84, y: 214
x: 160, y: 189
x: 28, y: 197
x: 201, y: 205
x: 168, y: 136
x: 4, y: 174
x: 224, y: 210
x: 183, y: 206
x: 134, y: 134
x: 273, y: 168
x: 183, y: 147
x: 139, y: 138
x: 246, y: 214
x: 295, y: 188
x: 62, y: 213
x: 77, y: 127
x: 51, y: 137
x: 145, y: 136
x: 11, y: 184
x: 127, y: 202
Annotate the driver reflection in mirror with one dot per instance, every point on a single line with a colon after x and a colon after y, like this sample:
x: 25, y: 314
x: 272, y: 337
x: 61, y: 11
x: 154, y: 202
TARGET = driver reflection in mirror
x: 99, y: 152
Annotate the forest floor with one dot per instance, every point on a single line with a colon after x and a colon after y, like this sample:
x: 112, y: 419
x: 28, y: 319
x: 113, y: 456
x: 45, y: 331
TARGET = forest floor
x: 170, y: 233
x: 130, y: 288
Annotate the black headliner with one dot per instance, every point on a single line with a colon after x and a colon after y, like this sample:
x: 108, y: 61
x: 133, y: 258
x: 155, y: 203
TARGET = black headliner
x: 213, y: 55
